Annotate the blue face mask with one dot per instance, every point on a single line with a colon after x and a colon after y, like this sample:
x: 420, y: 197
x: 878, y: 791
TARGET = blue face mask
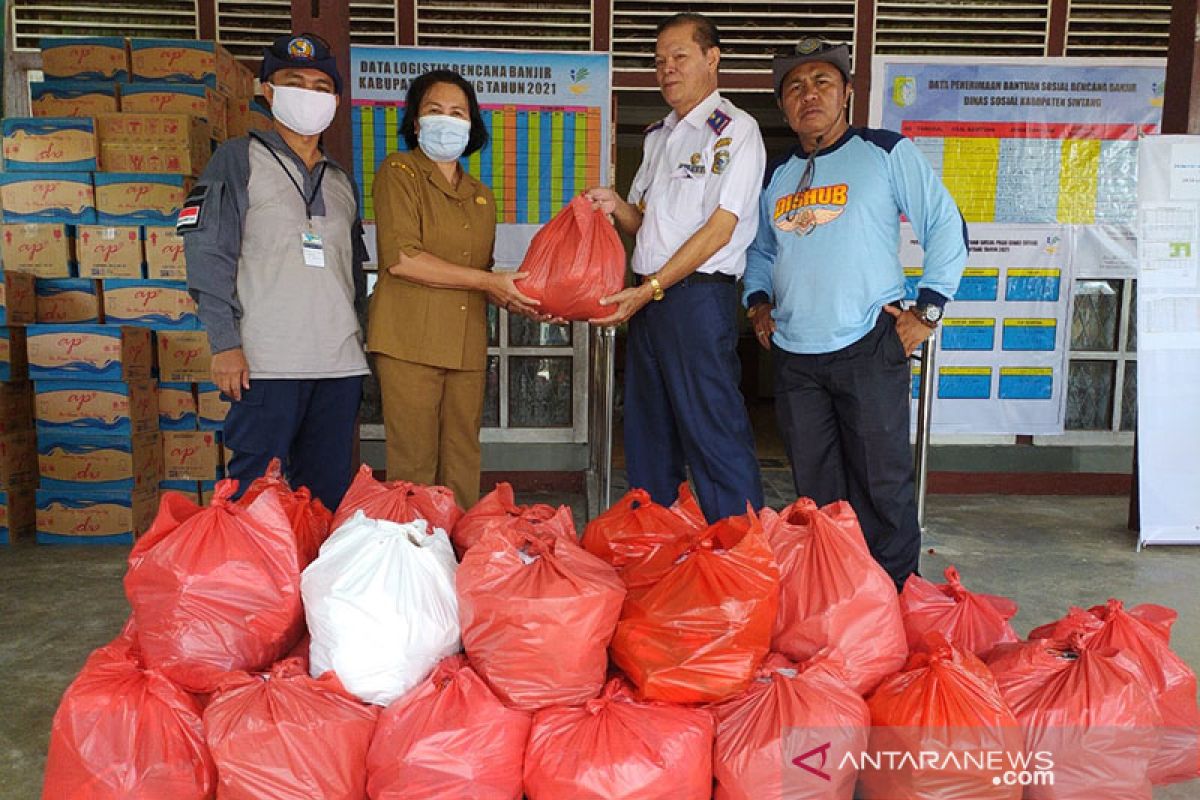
x: 443, y: 138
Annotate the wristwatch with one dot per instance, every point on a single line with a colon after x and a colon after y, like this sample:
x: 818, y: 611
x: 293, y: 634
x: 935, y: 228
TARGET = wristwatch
x: 655, y: 287
x: 928, y: 313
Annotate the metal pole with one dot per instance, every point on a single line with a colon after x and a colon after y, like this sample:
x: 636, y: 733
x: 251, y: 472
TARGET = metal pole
x: 601, y: 436
x: 928, y: 359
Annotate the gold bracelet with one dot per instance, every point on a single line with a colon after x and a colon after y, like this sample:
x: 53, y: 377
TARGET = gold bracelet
x: 655, y: 287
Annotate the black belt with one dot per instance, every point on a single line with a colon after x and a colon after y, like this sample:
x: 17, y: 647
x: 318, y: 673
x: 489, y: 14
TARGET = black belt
x: 708, y: 277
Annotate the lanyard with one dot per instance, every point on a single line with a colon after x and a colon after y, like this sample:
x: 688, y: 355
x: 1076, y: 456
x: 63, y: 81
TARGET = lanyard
x: 308, y: 200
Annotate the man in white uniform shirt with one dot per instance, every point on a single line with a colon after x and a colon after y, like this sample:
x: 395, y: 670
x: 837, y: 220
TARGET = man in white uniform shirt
x: 693, y: 208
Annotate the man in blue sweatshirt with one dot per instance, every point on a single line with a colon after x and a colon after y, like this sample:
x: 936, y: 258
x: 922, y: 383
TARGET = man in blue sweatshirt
x: 823, y: 283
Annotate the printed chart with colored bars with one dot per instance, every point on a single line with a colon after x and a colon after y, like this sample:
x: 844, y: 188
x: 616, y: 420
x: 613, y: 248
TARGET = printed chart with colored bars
x: 1039, y: 142
x: 537, y: 159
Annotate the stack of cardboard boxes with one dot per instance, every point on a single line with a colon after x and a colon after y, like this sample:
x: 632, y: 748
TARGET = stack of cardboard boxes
x: 91, y: 188
x: 18, y: 446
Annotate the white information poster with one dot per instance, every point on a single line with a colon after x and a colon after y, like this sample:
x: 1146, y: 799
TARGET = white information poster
x: 1002, y: 365
x: 1169, y: 339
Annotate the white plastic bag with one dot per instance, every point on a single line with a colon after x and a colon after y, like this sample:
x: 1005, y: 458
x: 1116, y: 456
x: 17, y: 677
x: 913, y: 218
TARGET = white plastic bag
x: 381, y: 606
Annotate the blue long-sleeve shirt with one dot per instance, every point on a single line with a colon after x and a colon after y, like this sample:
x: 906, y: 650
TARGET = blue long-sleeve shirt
x: 829, y: 260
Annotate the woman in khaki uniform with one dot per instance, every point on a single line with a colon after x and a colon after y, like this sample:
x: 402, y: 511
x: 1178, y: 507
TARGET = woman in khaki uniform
x: 435, y: 228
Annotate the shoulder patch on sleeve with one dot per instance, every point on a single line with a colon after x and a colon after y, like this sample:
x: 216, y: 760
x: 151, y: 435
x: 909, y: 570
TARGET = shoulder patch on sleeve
x: 884, y: 139
x: 718, y: 120
x: 652, y: 127
x: 193, y: 208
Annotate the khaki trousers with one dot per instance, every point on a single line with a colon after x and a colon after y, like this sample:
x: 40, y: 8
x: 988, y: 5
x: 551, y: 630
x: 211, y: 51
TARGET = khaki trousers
x: 432, y: 417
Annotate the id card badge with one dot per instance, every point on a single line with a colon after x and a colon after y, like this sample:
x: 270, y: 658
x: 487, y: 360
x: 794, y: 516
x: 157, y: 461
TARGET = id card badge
x: 314, y: 249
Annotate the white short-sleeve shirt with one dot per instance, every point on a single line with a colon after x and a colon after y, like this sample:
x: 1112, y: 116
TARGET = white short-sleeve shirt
x: 713, y: 157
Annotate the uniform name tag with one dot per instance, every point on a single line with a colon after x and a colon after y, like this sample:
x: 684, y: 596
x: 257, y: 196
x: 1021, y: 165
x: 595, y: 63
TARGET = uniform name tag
x: 314, y: 249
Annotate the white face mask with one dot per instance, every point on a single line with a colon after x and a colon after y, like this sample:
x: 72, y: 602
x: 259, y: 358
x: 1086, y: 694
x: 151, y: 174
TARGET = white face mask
x: 442, y: 137
x: 303, y: 110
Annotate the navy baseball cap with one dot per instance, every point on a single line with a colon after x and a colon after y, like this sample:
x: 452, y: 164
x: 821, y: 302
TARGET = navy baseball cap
x: 300, y: 51
x: 811, y: 50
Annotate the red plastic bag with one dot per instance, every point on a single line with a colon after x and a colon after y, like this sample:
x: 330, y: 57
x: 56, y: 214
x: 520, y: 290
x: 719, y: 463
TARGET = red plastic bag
x: 537, y: 613
x: 631, y: 530
x: 498, y: 509
x: 616, y: 747
x: 573, y: 261
x: 834, y: 598
x: 686, y: 506
x: 309, y: 517
x: 947, y: 703
x: 123, y: 732
x: 782, y: 739
x: 287, y: 736
x: 970, y: 620
x: 397, y: 501
x: 217, y: 589
x: 699, y: 634
x: 1088, y: 710
x: 1171, y: 681
x: 448, y: 739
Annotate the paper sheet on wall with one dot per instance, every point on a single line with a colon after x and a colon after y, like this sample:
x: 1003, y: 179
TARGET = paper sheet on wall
x: 1002, y: 366
x: 1169, y: 339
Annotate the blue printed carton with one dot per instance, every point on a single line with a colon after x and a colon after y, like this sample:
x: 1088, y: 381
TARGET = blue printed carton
x: 161, y: 305
x: 184, y: 61
x: 176, y: 407
x: 211, y: 406
x: 45, y: 196
x: 96, y: 407
x: 90, y: 517
x: 135, y: 198
x: 96, y: 58
x: 70, y: 98
x: 18, y: 509
x: 68, y: 300
x: 57, y: 144
x: 73, y: 461
x: 95, y: 352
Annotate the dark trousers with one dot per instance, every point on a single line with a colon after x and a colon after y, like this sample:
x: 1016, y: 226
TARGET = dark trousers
x: 845, y: 422
x: 683, y: 407
x: 308, y: 424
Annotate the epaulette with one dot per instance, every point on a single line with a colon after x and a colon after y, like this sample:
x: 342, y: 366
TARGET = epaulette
x: 652, y: 127
x: 719, y: 121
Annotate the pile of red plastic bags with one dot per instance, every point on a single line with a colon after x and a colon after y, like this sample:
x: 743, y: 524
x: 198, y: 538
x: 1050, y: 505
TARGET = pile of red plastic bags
x: 400, y: 648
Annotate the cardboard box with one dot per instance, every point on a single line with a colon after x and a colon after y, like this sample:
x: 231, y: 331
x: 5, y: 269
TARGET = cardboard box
x: 18, y: 459
x: 70, y: 461
x: 18, y: 513
x: 58, y: 144
x: 192, y: 456
x: 110, y: 251
x: 14, y: 359
x: 94, y: 517
x: 177, y: 410
x: 183, y: 61
x: 68, y: 300
x: 96, y: 407
x: 194, y: 100
x: 73, y: 98
x: 189, y: 489
x: 260, y: 117
x: 16, y: 407
x: 136, y: 199
x: 207, y: 490
x: 99, y: 58
x: 184, y: 357
x: 48, y: 197
x: 44, y: 250
x: 155, y: 143
x: 211, y: 407
x: 165, y: 258
x: 161, y: 305
x: 89, y: 352
x: 18, y: 298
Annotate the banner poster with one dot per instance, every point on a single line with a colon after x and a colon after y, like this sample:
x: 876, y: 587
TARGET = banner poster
x: 1168, y: 328
x: 549, y: 116
x: 1002, y: 346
